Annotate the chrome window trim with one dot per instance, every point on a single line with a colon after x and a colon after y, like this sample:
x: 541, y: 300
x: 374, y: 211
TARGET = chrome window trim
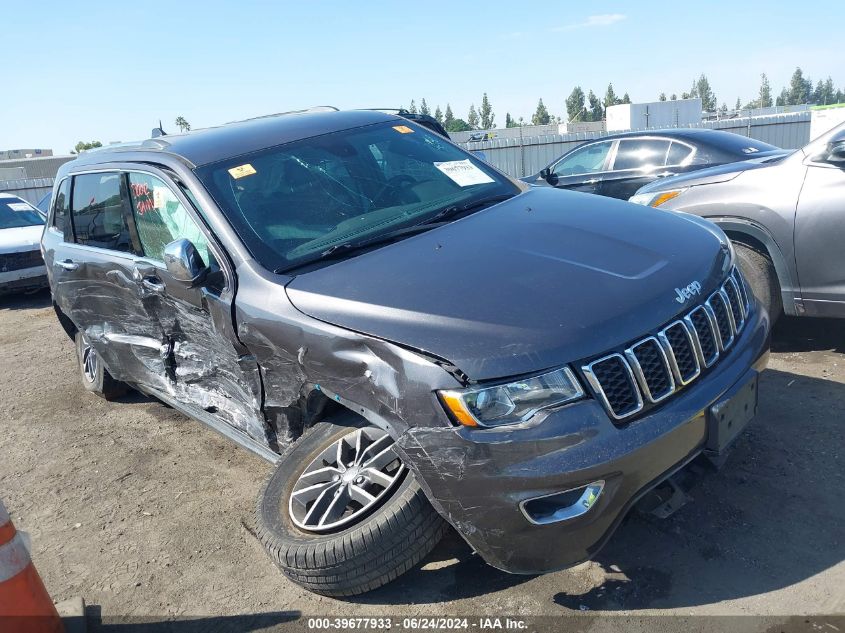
x: 597, y: 388
x: 670, y: 351
x: 634, y: 362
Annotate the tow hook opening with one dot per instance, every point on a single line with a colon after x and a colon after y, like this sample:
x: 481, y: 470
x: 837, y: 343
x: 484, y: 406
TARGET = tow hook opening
x: 562, y: 506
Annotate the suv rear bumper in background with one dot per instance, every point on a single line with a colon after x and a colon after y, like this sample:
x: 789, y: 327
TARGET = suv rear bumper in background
x: 478, y: 478
x: 23, y: 279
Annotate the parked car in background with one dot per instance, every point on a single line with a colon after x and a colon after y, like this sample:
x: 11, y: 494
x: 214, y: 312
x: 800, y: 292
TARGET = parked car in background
x: 44, y: 204
x: 21, y: 266
x: 785, y: 216
x: 619, y: 164
x: 415, y: 338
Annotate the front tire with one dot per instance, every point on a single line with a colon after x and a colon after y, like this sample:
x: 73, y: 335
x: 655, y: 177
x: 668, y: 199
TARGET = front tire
x: 760, y: 274
x: 345, y: 551
x: 95, y: 377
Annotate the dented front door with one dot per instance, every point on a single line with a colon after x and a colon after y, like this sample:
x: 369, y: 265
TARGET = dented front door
x: 202, y: 365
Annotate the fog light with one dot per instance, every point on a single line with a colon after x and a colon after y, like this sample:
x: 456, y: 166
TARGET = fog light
x: 562, y: 506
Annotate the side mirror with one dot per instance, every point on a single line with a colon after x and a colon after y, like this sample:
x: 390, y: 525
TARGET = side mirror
x: 545, y: 173
x: 836, y: 152
x: 184, y: 263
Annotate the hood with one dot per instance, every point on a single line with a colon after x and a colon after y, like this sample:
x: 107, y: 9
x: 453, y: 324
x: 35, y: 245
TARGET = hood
x: 545, y: 278
x: 21, y: 239
x: 710, y: 175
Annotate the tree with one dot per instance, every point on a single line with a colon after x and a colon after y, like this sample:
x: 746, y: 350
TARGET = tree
x: 724, y: 109
x: 783, y: 98
x: 458, y: 125
x: 81, y: 146
x: 674, y: 97
x: 765, y: 97
x: 438, y: 114
x: 825, y: 92
x: 738, y: 104
x: 472, y: 117
x: 662, y: 97
x: 424, y: 107
x: 486, y: 114
x: 702, y: 90
x: 448, y: 117
x: 610, y: 97
x: 596, y: 110
x: 625, y: 98
x: 541, y: 116
x: 799, y: 89
x: 575, y: 105
x: 413, y: 107
x: 510, y: 121
x: 182, y: 124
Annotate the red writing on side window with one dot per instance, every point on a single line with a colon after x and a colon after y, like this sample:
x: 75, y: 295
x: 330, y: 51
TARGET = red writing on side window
x: 142, y: 197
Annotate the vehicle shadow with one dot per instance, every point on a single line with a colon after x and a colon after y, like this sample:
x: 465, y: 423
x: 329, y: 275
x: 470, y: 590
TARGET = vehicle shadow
x: 26, y: 301
x: 451, y: 572
x: 772, y: 517
x: 795, y: 334
x: 270, y: 621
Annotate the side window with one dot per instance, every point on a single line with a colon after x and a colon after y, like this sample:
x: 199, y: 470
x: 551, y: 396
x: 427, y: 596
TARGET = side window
x: 97, y: 212
x: 61, y: 208
x: 586, y: 160
x: 678, y: 153
x: 643, y: 154
x: 161, y: 218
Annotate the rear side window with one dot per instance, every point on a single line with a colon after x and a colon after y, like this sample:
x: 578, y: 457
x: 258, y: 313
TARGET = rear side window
x: 643, y: 154
x: 61, y: 209
x: 97, y: 211
x: 678, y: 153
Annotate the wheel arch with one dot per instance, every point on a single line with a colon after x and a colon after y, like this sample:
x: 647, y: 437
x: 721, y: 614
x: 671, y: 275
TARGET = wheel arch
x: 757, y: 237
x: 67, y: 325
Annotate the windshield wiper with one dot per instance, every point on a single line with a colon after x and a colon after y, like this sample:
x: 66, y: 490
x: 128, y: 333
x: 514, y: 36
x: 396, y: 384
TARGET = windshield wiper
x: 450, y: 212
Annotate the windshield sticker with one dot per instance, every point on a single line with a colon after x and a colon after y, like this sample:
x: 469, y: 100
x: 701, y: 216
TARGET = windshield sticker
x: 463, y: 173
x: 403, y: 129
x: 241, y: 171
x: 19, y: 206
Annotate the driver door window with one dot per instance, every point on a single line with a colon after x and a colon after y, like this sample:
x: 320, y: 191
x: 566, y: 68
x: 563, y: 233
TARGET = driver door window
x: 161, y: 218
x: 587, y: 160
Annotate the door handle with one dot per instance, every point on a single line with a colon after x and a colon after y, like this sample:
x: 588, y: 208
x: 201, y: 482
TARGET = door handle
x: 67, y: 264
x: 153, y: 283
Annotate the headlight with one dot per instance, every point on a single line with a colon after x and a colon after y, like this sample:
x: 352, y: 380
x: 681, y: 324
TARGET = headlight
x: 655, y: 199
x: 513, y: 402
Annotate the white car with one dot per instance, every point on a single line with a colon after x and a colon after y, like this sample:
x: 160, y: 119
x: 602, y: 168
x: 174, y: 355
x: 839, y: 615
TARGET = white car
x: 21, y: 265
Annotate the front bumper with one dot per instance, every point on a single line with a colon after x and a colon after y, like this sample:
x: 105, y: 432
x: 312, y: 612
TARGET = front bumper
x: 477, y: 478
x: 24, y: 279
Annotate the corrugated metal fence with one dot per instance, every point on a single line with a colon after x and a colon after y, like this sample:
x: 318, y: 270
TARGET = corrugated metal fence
x: 529, y: 154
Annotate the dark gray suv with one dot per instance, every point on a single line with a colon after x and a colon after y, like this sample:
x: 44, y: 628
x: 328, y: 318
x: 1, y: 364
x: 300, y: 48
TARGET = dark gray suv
x: 414, y: 338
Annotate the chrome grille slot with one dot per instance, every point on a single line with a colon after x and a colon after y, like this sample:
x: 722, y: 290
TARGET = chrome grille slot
x: 613, y: 381
x: 718, y: 304
x: 656, y: 367
x: 680, y: 351
x: 651, y: 369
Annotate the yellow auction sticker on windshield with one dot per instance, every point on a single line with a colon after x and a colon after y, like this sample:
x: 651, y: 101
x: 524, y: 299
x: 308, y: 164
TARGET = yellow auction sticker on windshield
x: 403, y: 129
x: 241, y: 171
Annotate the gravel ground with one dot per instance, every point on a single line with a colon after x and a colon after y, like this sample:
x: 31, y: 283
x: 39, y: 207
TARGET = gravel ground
x: 143, y: 512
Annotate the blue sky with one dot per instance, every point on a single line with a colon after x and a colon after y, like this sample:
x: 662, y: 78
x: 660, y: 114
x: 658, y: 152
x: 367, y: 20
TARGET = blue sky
x: 110, y: 70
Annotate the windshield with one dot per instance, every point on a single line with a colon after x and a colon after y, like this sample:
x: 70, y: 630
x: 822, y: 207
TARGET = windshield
x: 290, y: 203
x: 15, y: 213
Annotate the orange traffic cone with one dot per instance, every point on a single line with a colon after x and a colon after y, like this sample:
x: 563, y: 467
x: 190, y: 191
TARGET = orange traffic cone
x: 25, y: 605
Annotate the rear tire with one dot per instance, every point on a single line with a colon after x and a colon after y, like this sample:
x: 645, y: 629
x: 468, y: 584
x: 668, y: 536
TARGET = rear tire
x: 95, y: 377
x: 760, y: 274
x: 356, y: 557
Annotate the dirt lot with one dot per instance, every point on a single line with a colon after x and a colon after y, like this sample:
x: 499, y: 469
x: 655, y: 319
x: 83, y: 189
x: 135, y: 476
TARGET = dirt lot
x: 145, y: 513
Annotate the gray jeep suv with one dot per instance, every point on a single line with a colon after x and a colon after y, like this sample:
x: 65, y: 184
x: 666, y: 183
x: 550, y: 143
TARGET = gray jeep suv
x: 786, y: 217
x: 416, y: 339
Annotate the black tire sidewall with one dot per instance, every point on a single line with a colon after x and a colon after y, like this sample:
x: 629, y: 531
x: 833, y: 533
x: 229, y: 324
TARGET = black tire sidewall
x: 760, y: 275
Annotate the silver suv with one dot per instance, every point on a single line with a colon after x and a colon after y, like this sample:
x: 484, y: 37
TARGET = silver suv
x: 785, y: 216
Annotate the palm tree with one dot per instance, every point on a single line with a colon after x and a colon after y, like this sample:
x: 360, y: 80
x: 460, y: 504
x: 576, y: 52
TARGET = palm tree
x: 182, y: 124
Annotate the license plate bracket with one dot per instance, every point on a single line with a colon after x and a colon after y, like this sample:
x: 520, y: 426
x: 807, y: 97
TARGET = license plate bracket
x: 727, y: 418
